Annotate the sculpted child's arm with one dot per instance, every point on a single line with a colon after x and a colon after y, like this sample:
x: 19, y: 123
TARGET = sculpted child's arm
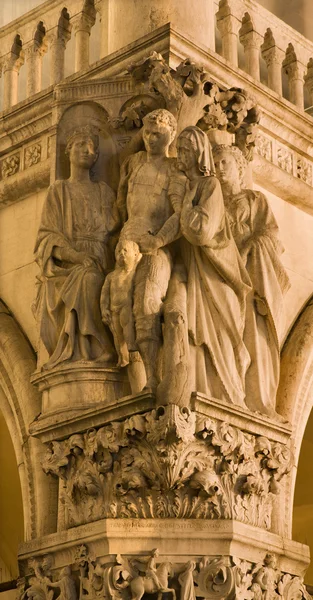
x: 121, y: 200
x: 105, y: 299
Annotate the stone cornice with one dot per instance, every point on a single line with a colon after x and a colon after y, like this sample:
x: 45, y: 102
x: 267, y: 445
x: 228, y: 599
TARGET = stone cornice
x: 281, y: 121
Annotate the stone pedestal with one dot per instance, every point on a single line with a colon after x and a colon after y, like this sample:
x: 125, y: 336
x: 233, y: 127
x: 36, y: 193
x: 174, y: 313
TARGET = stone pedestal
x: 75, y: 386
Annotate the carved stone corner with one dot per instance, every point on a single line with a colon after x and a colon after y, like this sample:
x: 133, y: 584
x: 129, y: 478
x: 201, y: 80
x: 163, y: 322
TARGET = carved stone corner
x: 171, y: 463
x: 114, y: 567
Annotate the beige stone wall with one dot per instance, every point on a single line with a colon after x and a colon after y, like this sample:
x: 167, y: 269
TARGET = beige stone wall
x: 18, y: 228
x: 296, y: 229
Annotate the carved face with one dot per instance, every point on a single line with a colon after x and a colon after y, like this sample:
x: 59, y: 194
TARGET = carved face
x: 187, y: 158
x: 157, y: 138
x: 126, y: 254
x: 82, y: 152
x: 226, y: 168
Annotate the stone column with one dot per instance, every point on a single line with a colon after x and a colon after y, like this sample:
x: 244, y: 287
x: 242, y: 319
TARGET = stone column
x: 295, y: 71
x: 57, y: 39
x: 11, y: 67
x: 228, y: 25
x: 102, y: 7
x: 33, y: 54
x: 309, y: 79
x: 273, y: 57
x: 82, y: 24
x: 251, y: 41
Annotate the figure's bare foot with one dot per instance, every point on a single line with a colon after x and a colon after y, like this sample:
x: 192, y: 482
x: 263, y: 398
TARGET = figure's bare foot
x: 122, y: 362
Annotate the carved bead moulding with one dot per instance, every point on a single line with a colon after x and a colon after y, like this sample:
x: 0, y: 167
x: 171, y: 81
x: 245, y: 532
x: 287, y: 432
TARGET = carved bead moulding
x: 129, y: 577
x: 168, y: 463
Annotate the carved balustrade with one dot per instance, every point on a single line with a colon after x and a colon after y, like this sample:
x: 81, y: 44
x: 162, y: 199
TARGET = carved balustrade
x: 239, y: 22
x: 262, y: 34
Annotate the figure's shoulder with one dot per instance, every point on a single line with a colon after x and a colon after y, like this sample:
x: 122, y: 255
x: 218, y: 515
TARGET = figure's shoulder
x: 58, y: 184
x: 106, y: 189
x: 135, y: 159
x: 257, y: 200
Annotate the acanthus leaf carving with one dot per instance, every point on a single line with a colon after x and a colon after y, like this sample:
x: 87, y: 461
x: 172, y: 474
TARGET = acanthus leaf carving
x: 168, y: 464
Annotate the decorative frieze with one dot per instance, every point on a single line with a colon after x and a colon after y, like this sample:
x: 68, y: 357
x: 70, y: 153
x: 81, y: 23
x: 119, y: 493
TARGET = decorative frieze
x: 129, y: 577
x: 285, y: 158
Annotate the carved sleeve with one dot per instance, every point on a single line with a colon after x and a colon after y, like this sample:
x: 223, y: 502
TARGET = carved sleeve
x: 203, y: 213
x: 52, y: 231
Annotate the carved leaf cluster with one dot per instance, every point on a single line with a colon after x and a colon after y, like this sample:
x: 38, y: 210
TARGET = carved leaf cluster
x: 168, y: 464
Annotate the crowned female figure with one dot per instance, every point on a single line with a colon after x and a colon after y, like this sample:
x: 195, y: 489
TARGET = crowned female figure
x: 73, y: 254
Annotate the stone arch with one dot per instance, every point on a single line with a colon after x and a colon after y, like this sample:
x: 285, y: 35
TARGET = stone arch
x: 20, y: 404
x: 295, y: 392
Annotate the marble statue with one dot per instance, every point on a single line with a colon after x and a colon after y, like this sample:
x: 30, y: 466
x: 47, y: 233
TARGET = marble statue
x: 143, y: 200
x: 73, y: 255
x: 117, y: 300
x: 217, y: 284
x: 256, y: 234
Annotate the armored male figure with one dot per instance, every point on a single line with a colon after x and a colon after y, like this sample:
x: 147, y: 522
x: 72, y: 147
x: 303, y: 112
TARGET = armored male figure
x: 146, y: 185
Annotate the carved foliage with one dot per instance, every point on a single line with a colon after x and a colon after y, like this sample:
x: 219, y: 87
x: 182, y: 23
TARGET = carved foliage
x: 166, y: 464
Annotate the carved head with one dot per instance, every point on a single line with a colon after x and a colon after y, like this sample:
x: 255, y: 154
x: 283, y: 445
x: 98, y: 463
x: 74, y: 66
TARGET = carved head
x: 230, y: 164
x: 159, y: 130
x: 82, y: 147
x: 194, y: 151
x: 127, y: 253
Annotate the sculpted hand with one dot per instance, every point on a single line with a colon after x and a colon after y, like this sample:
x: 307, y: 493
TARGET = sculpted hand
x: 149, y: 243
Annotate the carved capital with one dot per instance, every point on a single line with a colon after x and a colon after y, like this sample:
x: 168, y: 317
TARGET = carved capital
x: 84, y: 21
x: 13, y: 62
x: 248, y: 37
x: 272, y: 55
x: 227, y: 23
x: 35, y: 49
x: 168, y: 463
x: 309, y: 76
x: 293, y: 67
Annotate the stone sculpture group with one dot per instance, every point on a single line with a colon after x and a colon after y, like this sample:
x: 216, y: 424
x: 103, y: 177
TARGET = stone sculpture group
x: 194, y: 302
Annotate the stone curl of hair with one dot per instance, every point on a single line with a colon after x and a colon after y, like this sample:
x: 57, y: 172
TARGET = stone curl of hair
x: 241, y: 161
x: 161, y: 116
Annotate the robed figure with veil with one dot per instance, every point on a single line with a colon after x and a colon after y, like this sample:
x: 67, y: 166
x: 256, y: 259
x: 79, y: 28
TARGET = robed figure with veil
x: 217, y: 282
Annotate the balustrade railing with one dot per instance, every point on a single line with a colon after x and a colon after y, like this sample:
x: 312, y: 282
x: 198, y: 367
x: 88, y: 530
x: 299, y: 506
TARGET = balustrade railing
x: 243, y: 26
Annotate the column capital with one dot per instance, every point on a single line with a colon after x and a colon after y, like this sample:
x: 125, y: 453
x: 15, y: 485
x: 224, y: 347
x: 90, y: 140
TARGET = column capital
x: 227, y: 20
x: 84, y: 21
x: 12, y: 61
x: 35, y: 48
x: 272, y: 54
x: 248, y: 37
x: 292, y: 66
x: 308, y: 78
